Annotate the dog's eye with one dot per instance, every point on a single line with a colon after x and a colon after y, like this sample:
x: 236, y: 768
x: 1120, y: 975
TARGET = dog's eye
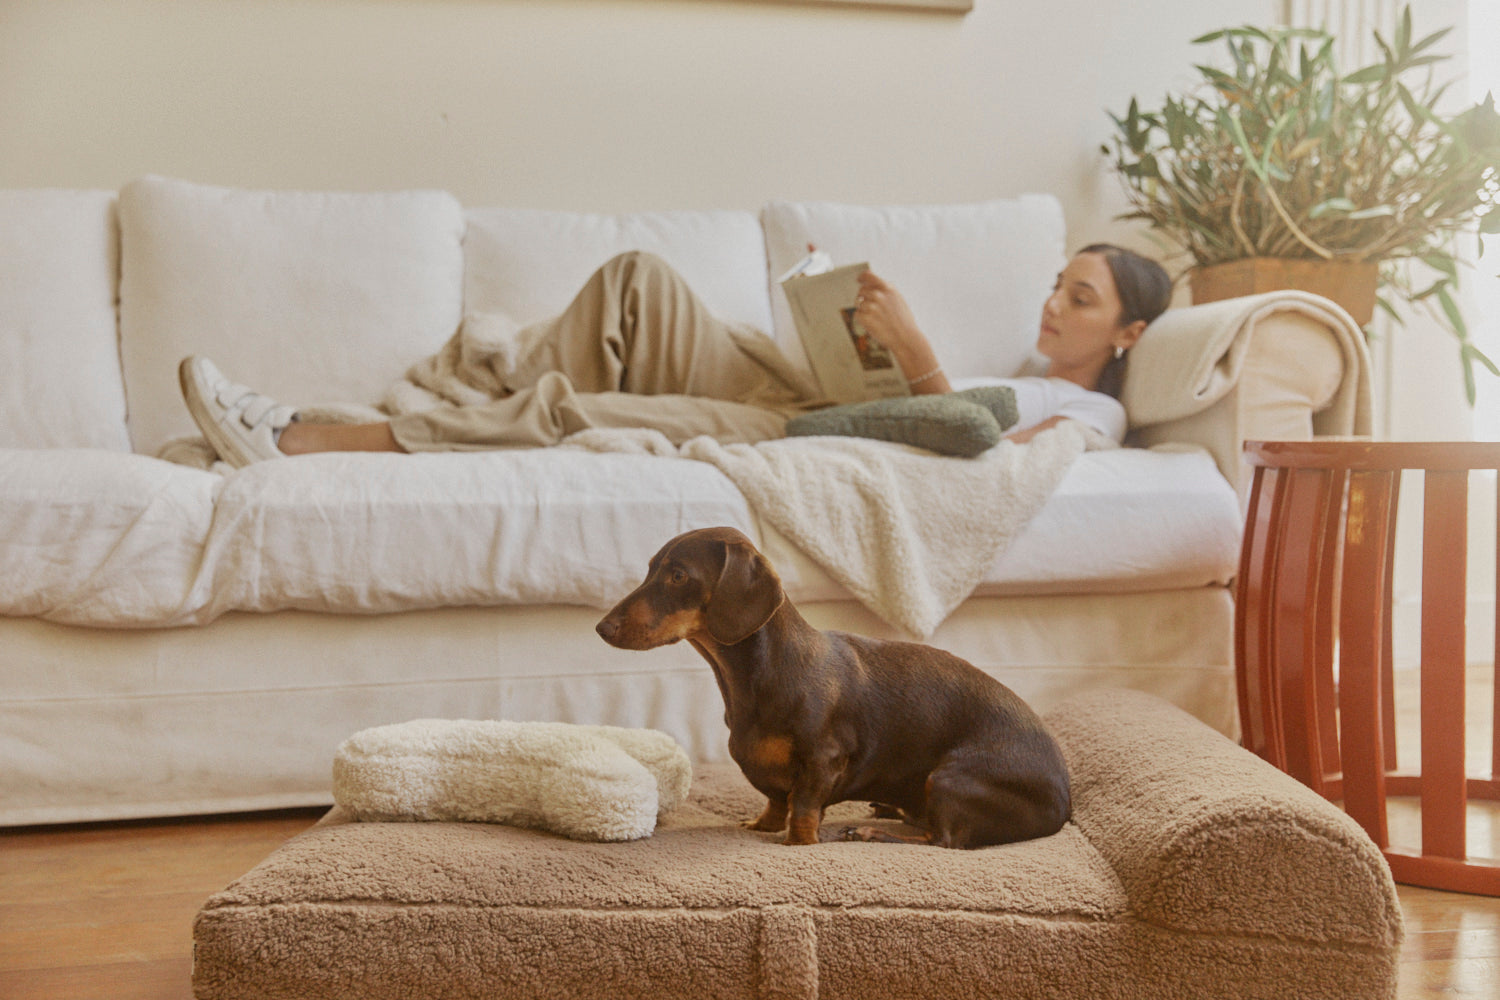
x: 677, y: 575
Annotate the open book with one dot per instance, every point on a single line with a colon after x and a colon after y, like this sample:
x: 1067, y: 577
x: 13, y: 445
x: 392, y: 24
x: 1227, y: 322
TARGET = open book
x: 849, y: 364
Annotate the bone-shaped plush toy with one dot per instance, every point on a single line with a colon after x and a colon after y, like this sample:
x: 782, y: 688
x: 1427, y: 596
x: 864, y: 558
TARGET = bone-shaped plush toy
x: 584, y: 782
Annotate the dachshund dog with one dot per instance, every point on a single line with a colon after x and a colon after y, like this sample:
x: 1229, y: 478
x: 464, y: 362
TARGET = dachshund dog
x: 818, y: 717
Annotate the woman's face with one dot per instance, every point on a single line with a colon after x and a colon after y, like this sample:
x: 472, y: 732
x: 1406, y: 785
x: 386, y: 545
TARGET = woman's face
x: 1080, y: 321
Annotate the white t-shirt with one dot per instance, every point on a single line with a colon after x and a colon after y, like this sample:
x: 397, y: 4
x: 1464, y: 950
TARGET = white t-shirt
x: 1039, y: 398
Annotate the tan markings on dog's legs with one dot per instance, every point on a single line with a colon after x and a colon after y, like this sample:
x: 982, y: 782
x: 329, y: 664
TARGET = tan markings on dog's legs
x: 803, y: 828
x: 772, y: 820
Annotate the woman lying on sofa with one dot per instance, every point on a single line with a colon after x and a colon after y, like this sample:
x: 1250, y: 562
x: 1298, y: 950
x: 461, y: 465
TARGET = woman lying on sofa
x: 636, y: 348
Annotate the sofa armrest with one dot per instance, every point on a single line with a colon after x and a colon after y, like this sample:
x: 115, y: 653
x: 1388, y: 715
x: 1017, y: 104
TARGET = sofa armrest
x: 1281, y: 366
x: 1187, y: 819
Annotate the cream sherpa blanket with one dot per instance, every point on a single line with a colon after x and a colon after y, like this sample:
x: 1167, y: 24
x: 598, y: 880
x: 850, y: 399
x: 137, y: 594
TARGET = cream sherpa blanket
x: 909, y: 533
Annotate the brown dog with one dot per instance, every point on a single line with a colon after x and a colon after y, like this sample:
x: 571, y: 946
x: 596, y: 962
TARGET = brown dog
x: 822, y: 717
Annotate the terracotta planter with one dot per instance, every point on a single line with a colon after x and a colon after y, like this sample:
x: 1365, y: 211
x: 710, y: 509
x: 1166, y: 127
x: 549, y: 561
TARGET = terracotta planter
x: 1352, y: 284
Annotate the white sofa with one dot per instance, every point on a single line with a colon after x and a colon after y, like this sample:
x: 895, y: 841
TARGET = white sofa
x: 182, y: 640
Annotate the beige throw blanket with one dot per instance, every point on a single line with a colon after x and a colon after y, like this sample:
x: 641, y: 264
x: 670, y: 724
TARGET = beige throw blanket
x: 908, y: 533
x: 1191, y: 358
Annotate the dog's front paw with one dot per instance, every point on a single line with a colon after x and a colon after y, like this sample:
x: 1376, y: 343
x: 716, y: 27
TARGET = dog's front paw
x: 772, y: 818
x: 865, y: 834
x: 765, y: 823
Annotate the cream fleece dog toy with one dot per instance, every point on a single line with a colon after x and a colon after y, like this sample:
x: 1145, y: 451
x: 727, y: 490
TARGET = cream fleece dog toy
x: 584, y: 782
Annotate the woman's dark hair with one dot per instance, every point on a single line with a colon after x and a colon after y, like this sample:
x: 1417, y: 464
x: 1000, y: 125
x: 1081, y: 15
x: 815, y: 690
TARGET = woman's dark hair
x: 1145, y: 291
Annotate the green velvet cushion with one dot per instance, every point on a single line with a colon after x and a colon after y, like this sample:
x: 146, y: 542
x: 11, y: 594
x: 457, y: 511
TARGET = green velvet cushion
x: 956, y: 423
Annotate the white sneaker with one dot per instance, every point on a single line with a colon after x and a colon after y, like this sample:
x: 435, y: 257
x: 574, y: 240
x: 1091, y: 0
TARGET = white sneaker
x: 241, y: 424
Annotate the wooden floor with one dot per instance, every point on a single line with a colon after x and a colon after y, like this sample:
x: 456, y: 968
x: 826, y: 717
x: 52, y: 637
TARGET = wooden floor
x: 105, y: 911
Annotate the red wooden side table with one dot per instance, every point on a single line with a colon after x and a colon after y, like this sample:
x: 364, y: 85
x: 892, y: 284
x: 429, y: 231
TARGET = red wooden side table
x: 1313, y: 639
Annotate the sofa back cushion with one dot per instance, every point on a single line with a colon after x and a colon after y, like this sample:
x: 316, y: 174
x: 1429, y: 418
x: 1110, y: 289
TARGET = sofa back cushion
x: 528, y: 263
x: 311, y: 297
x: 975, y: 275
x: 60, y: 383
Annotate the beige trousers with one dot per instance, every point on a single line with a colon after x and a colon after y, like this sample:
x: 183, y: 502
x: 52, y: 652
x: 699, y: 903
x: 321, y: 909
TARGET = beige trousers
x: 636, y: 348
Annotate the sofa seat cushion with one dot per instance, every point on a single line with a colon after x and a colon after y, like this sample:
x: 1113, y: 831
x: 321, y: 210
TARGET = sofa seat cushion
x: 101, y: 538
x: 370, y: 533
x: 59, y: 356
x: 131, y: 540
x: 312, y: 297
x: 1127, y: 520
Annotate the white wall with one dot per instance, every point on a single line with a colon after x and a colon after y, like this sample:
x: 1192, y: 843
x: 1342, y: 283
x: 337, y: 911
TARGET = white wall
x: 591, y: 104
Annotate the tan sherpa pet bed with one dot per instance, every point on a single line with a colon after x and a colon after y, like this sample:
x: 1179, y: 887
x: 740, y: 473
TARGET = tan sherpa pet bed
x: 1191, y: 870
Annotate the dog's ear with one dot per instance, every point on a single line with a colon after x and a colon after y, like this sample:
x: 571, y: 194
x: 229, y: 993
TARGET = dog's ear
x: 746, y: 596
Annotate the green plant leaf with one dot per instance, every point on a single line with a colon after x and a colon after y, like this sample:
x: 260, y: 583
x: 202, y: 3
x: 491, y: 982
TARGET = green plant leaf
x: 1442, y: 263
x: 1370, y: 74
x: 1243, y: 59
x: 1176, y: 121
x: 1385, y: 49
x: 1323, y: 208
x: 1420, y: 61
x: 1374, y: 212
x: 1489, y: 222
x: 1417, y: 109
x: 1431, y: 40
x: 1468, y: 354
x: 1427, y: 292
x: 1450, y: 310
x: 1219, y: 79
x: 1478, y: 355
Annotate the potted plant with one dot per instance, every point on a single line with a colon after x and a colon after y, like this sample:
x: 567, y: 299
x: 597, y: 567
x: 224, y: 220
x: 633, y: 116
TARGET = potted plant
x: 1284, y: 167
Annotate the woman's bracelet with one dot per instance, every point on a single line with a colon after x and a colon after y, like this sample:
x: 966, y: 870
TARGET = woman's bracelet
x: 927, y: 376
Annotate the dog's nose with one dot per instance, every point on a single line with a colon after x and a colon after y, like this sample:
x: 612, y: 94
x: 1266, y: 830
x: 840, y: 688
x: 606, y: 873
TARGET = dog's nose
x: 607, y: 628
